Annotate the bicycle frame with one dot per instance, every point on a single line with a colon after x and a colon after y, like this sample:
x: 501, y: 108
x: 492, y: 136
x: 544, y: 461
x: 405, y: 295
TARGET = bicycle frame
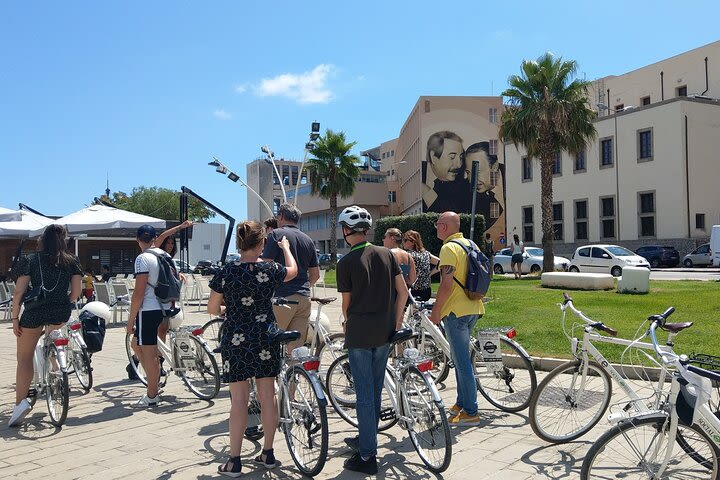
x: 392, y: 386
x: 172, y: 352
x: 39, y: 372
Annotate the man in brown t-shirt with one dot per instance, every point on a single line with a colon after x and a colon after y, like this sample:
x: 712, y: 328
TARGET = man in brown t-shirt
x: 373, y: 311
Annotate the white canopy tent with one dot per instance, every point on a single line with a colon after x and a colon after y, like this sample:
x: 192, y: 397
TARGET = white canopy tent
x: 100, y: 218
x: 7, y: 215
x: 29, y: 225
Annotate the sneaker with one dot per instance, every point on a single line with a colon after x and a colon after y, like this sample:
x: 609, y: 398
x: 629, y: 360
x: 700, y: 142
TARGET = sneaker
x: 19, y: 412
x: 147, y: 402
x: 269, y: 460
x: 462, y: 419
x: 454, y: 410
x: 357, y: 464
x: 353, y: 442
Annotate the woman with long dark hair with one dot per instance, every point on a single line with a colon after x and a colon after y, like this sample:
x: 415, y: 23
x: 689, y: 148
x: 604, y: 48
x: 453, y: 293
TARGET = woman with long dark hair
x: 54, y: 271
x: 425, y: 265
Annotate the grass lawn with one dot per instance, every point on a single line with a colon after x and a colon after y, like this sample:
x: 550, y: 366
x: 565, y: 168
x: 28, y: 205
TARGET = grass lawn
x: 532, y: 310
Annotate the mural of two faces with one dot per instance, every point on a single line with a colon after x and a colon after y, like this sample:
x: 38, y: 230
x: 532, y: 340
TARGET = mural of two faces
x: 446, y: 181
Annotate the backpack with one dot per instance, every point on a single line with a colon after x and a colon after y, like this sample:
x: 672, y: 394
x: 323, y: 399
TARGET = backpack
x: 93, y: 330
x: 168, y: 285
x: 479, y: 274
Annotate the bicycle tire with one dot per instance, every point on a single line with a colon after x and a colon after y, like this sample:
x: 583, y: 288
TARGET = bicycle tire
x: 82, y: 368
x: 628, y: 439
x: 552, y: 406
x: 505, y: 387
x: 428, y: 347
x: 212, y: 333
x: 417, y: 402
x: 308, y: 417
x: 341, y: 393
x: 207, y: 384
x: 328, y: 351
x: 57, y: 390
x: 137, y: 367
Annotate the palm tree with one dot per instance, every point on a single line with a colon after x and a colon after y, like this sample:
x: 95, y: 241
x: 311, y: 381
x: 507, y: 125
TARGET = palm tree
x: 333, y: 173
x: 547, y: 113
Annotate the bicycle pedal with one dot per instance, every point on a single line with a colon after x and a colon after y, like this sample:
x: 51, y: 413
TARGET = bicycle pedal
x: 387, y: 414
x: 32, y: 393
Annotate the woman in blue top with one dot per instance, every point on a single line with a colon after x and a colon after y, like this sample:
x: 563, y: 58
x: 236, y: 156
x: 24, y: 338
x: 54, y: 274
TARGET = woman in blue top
x: 246, y: 287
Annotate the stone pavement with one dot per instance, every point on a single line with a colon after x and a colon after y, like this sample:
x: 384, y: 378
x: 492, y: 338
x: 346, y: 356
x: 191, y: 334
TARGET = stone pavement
x: 187, y: 438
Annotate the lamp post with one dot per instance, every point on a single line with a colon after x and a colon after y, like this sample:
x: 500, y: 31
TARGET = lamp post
x: 223, y: 169
x: 271, y: 160
x: 314, y: 135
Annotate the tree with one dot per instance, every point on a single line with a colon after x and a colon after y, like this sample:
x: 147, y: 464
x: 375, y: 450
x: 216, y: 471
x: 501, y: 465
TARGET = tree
x: 547, y: 113
x: 333, y: 173
x: 159, y: 202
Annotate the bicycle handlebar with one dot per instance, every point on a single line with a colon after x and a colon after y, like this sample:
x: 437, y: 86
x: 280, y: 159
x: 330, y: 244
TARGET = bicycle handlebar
x: 568, y: 302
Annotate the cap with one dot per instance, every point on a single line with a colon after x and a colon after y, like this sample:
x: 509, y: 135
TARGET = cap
x: 146, y: 233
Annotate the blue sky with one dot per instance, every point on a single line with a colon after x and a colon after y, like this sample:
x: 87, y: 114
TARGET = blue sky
x: 146, y: 92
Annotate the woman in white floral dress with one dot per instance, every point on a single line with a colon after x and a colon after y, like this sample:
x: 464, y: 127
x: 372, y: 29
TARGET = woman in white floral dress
x: 246, y: 287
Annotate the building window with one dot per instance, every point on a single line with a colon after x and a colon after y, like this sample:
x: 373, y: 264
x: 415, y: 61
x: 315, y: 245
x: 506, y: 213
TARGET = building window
x: 646, y: 202
x: 528, y: 229
x: 392, y: 153
x: 493, y: 147
x: 607, y: 217
x: 427, y: 106
x: 700, y: 221
x: 295, y: 171
x: 494, y: 178
x: 557, y: 165
x: 580, y: 162
x: 645, y: 145
x: 606, y: 152
x: 391, y: 196
x: 492, y: 115
x: 276, y: 206
x: 645, y: 101
x: 681, y: 91
x: 619, y: 108
x: 383, y: 155
x: 581, y: 220
x: 286, y: 174
x: 494, y: 210
x: 526, y: 169
x: 558, y: 221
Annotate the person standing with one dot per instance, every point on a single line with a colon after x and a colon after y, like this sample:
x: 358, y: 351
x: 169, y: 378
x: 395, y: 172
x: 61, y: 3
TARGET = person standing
x: 105, y: 273
x: 405, y: 261
x: 459, y: 315
x: 298, y: 289
x: 246, y: 288
x: 517, y: 249
x: 425, y: 265
x: 373, y: 312
x: 489, y: 250
x: 54, y: 271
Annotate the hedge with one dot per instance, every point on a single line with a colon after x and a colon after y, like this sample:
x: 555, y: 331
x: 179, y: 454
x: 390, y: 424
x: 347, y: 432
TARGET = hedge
x: 424, y: 224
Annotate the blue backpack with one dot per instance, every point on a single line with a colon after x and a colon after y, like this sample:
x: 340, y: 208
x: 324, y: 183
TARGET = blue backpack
x: 479, y: 274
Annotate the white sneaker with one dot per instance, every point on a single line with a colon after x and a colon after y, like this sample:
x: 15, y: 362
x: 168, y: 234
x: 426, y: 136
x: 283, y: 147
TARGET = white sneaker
x: 19, y: 412
x: 146, y: 402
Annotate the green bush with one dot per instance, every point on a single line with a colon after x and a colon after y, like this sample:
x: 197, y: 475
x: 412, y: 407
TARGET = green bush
x: 424, y: 224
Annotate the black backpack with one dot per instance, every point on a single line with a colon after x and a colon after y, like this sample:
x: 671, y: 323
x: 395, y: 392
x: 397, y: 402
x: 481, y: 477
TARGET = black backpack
x: 168, y: 285
x: 93, y: 330
x: 479, y: 274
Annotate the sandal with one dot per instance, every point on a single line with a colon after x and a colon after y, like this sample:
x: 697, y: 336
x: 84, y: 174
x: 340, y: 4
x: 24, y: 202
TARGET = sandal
x: 231, y: 468
x: 269, y: 460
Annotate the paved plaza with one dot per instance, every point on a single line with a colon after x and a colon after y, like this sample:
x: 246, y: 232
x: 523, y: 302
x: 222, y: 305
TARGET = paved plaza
x: 104, y: 437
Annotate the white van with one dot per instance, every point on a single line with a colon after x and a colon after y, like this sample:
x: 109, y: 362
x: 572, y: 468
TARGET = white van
x: 715, y: 245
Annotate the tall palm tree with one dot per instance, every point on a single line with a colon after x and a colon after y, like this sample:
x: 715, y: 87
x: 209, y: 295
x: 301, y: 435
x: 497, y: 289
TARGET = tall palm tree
x: 333, y: 172
x: 547, y: 112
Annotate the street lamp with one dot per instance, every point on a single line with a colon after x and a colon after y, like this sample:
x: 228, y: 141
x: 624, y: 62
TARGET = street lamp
x: 314, y: 135
x: 221, y: 168
x: 271, y: 160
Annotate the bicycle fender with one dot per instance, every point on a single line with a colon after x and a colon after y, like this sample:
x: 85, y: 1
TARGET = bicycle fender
x: 62, y: 358
x: 433, y: 388
x: 519, y: 347
x: 318, y: 388
x: 80, y: 340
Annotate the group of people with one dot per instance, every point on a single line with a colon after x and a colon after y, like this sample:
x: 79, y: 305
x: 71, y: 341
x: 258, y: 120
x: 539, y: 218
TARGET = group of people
x: 276, y: 260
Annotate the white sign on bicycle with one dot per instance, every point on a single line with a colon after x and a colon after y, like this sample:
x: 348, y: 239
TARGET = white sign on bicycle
x: 490, y: 345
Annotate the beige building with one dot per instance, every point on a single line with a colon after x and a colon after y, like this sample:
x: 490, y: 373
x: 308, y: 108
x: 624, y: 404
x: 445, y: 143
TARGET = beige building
x: 261, y: 177
x: 651, y: 174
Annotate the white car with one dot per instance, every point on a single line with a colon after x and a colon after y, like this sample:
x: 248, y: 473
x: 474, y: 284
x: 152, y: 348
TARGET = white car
x: 605, y: 259
x: 532, y: 261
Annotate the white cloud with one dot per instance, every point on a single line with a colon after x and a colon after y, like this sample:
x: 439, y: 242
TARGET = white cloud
x: 241, y: 88
x: 222, y: 114
x: 306, y: 87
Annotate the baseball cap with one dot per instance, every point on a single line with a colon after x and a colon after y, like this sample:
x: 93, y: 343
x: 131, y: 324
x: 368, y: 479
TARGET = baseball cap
x: 146, y: 233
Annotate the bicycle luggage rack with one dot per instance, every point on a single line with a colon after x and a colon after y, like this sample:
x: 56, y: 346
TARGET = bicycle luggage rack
x: 703, y: 360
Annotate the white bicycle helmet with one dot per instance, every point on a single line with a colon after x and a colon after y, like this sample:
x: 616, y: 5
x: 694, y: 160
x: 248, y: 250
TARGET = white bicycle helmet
x: 356, y: 218
x: 176, y: 321
x: 99, y: 309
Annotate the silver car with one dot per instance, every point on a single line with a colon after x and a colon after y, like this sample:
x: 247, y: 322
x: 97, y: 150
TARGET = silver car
x: 701, y: 256
x: 532, y: 261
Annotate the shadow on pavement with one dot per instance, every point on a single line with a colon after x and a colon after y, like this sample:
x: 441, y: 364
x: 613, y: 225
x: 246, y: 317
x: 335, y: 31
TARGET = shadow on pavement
x: 557, y: 461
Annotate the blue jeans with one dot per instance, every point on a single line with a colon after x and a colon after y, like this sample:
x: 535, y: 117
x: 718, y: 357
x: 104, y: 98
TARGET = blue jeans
x: 458, y: 330
x: 368, y: 372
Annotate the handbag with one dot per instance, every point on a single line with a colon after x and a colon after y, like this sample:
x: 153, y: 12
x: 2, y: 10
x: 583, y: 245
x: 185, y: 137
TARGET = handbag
x: 93, y: 328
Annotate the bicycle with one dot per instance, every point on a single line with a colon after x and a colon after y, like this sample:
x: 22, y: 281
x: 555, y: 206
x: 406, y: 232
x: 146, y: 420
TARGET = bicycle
x: 573, y: 397
x: 77, y: 354
x: 50, y: 376
x: 504, y: 371
x: 187, y: 354
x: 682, y: 441
x: 414, y: 401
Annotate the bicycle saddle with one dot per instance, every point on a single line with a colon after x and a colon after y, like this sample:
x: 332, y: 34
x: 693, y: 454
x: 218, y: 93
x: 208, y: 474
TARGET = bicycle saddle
x: 323, y: 301
x: 286, y: 336
x: 676, y: 327
x: 401, y: 335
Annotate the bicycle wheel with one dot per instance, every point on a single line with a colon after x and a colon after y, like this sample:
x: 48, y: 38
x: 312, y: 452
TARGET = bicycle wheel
x: 635, y: 448
x: 253, y: 430
x: 341, y: 392
x: 201, y: 375
x: 428, y: 347
x: 132, y: 360
x: 509, y: 384
x: 212, y: 332
x: 57, y: 391
x: 80, y: 361
x: 427, y: 421
x: 562, y: 408
x: 328, y: 351
x: 305, y: 424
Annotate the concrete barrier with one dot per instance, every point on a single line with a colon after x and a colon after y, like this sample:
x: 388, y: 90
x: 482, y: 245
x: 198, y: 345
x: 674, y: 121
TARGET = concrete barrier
x: 634, y: 280
x: 578, y: 281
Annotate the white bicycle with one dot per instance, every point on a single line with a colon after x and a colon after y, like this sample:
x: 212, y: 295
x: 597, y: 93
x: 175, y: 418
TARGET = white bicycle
x: 77, y: 355
x: 50, y: 376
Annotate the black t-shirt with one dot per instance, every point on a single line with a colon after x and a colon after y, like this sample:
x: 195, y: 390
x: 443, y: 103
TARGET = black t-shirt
x: 368, y: 273
x: 303, y: 251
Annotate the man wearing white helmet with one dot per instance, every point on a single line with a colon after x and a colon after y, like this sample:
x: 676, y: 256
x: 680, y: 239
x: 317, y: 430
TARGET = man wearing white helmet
x: 373, y: 312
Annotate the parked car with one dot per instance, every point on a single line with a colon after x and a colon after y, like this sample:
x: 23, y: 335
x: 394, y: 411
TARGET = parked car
x: 700, y: 257
x: 605, y: 259
x: 324, y: 259
x: 532, y: 261
x: 659, y: 255
x: 232, y: 257
x: 183, y: 267
x: 206, y: 267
